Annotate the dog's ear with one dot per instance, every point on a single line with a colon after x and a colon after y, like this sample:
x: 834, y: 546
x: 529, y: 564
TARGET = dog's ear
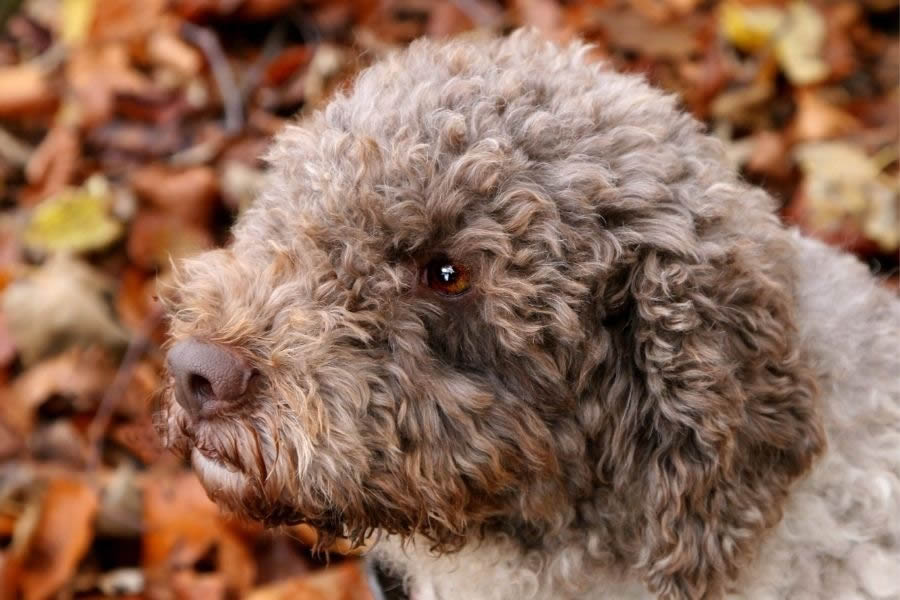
x: 728, y: 415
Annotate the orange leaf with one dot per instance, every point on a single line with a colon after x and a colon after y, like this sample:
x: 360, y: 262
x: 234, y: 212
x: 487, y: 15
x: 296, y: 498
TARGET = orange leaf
x: 64, y: 529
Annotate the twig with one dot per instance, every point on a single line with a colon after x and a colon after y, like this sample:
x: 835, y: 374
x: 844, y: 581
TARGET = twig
x: 136, y: 348
x: 208, y: 42
x: 14, y: 150
x: 271, y: 47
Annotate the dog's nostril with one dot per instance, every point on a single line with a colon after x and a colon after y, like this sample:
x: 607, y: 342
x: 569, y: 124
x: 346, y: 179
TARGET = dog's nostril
x: 207, y: 375
x: 200, y: 386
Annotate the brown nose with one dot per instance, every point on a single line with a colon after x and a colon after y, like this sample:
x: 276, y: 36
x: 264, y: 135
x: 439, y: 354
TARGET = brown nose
x: 207, y: 376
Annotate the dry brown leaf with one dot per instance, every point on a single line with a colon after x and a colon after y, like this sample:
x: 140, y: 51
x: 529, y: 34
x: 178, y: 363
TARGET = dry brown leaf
x: 544, y: 15
x: 182, y: 522
x: 95, y: 74
x: 240, y: 184
x: 626, y: 30
x: 845, y: 199
x: 288, y: 62
x: 798, y: 44
x: 343, y: 582
x: 139, y: 438
x: 61, y: 304
x: 447, y: 19
x: 125, y: 19
x: 186, y: 194
x: 52, y: 166
x: 158, y: 238
x: 187, y: 585
x: 768, y: 154
x: 26, y: 91
x: 308, y: 535
x: 816, y: 119
x: 263, y: 9
x: 78, y: 377
x: 166, y: 48
x: 43, y: 559
x: 7, y: 346
x: 59, y: 441
x: 184, y: 525
x: 198, y: 10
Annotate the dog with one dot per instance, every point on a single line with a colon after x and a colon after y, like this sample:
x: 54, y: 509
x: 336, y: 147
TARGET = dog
x: 511, y: 319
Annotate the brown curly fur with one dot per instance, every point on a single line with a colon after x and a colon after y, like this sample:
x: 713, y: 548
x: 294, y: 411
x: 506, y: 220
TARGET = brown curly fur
x: 625, y: 363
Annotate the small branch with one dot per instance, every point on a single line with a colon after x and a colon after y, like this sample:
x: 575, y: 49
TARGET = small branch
x: 136, y: 349
x: 14, y: 150
x: 208, y: 42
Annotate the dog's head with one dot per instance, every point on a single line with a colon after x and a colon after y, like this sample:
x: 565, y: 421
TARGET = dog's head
x: 496, y: 287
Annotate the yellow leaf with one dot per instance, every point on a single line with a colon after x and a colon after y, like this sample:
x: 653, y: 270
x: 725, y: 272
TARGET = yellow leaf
x: 799, y: 45
x: 842, y: 182
x: 76, y: 18
x: 750, y: 28
x: 75, y: 220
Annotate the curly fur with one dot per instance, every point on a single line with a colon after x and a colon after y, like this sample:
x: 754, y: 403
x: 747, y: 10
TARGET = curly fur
x: 652, y: 388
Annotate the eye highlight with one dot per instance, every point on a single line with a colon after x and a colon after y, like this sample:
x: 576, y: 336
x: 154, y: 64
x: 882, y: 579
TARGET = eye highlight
x: 446, y: 276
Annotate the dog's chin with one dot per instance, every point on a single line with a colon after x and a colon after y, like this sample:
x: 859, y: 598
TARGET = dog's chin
x: 220, y: 479
x: 236, y: 481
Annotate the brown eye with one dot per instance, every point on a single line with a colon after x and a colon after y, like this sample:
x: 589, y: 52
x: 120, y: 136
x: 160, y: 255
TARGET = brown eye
x: 446, y: 276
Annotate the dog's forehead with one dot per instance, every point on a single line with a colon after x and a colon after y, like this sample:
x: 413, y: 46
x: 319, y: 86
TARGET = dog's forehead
x: 432, y: 141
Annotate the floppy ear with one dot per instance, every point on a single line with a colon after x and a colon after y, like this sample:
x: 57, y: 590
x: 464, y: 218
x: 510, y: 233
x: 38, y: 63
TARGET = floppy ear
x: 730, y: 420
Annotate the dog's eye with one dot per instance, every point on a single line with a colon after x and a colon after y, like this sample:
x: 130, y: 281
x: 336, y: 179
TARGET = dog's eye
x: 446, y: 276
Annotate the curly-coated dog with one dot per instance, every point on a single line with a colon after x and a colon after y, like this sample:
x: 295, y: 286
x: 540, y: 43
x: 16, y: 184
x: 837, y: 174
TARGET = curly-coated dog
x: 512, y: 318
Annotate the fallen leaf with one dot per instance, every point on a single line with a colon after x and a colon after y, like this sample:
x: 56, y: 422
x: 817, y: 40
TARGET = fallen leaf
x: 157, y: 239
x: 138, y: 438
x: 44, y: 557
x: 182, y: 522
x: 769, y: 154
x: 96, y: 74
x: 198, y: 10
x: 75, y: 220
x: 845, y: 198
x: 309, y: 536
x: 7, y: 345
x: 184, y: 525
x: 750, y: 28
x: 625, y: 30
x: 286, y: 64
x: 544, y: 15
x: 125, y: 19
x: 61, y: 304
x: 343, y: 582
x: 188, y: 585
x: 26, y: 91
x: 120, y: 514
x: 76, y: 17
x: 263, y: 9
x: 447, y: 19
x: 187, y: 194
x: 166, y: 48
x: 61, y: 442
x: 52, y: 166
x: 817, y: 119
x: 798, y: 46
x: 325, y: 65
x: 77, y: 378
x: 241, y: 184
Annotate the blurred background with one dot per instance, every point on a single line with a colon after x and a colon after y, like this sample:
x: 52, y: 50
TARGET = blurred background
x: 130, y: 132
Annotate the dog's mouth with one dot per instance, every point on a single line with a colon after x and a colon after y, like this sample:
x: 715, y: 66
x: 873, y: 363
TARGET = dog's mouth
x: 228, y: 458
x: 214, y: 472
